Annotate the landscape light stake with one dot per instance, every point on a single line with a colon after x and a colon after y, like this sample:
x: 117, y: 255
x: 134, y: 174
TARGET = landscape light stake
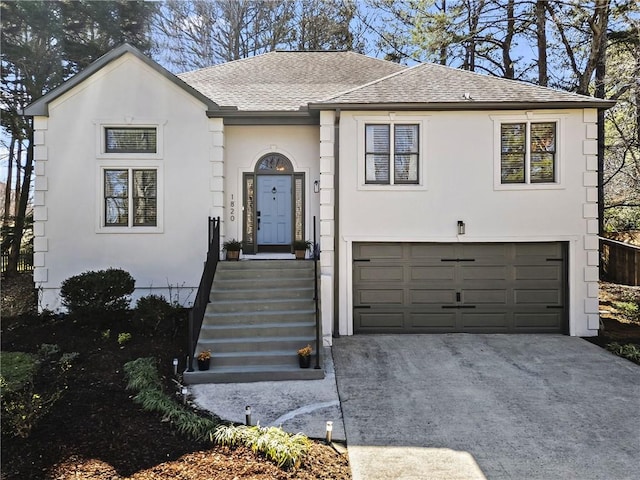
x: 247, y: 416
x: 185, y: 391
x: 329, y: 430
x: 175, y: 366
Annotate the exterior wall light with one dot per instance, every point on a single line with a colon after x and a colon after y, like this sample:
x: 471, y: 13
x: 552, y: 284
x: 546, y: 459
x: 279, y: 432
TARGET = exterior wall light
x: 461, y: 227
x: 316, y: 186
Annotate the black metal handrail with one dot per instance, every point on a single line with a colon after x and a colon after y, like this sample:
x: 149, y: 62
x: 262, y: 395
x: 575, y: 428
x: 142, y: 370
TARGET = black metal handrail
x: 196, y: 314
x: 316, y: 258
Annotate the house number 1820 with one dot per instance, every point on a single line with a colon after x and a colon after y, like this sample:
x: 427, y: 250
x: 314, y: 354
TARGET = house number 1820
x: 232, y: 209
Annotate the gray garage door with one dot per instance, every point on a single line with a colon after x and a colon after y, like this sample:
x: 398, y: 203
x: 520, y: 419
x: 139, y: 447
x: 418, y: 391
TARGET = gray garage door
x: 478, y: 287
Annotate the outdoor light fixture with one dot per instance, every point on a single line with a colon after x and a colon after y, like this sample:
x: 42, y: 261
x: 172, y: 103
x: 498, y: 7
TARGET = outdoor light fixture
x: 461, y: 227
x: 175, y: 366
x: 247, y: 416
x: 329, y: 430
x: 316, y: 186
x: 184, y: 392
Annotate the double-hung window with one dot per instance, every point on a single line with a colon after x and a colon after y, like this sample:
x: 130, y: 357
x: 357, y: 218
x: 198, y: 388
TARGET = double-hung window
x: 528, y: 153
x: 130, y: 197
x: 391, y: 154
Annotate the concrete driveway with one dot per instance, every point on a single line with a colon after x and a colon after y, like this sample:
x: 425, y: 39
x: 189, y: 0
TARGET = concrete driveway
x: 470, y: 407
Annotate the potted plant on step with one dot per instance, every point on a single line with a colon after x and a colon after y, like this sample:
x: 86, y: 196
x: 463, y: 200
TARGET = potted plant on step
x: 232, y: 247
x: 300, y: 248
x: 204, y: 360
x: 304, y: 356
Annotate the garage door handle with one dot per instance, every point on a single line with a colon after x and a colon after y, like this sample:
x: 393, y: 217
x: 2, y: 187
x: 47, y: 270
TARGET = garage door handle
x: 362, y: 306
x: 457, y: 259
x: 361, y: 259
x: 458, y: 306
x: 555, y: 306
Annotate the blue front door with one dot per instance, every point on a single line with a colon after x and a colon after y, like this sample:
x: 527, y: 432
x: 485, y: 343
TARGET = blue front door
x: 273, y: 210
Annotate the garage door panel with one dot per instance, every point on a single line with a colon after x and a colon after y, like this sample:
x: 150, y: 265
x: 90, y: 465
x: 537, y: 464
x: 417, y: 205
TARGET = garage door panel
x: 539, y: 272
x: 379, y: 321
x: 378, y: 250
x: 431, y: 251
x: 379, y: 297
x: 538, y: 321
x: 456, y: 287
x: 484, y: 296
x: 432, y: 273
x: 434, y: 321
x: 432, y: 296
x: 483, y: 272
x: 539, y: 297
x: 379, y: 274
x: 487, y: 321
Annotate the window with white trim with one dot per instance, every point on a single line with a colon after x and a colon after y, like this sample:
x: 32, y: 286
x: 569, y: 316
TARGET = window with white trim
x: 528, y: 152
x: 130, y: 140
x: 392, y: 153
x: 130, y: 197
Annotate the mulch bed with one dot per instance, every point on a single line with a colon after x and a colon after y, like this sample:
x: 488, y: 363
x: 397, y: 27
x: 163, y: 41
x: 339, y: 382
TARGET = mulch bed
x: 96, y: 431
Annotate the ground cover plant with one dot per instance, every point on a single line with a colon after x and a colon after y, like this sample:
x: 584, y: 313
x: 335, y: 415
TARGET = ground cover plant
x: 95, y: 430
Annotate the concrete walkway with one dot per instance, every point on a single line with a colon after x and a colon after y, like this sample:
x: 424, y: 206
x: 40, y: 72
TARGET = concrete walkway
x: 487, y: 407
x: 296, y: 406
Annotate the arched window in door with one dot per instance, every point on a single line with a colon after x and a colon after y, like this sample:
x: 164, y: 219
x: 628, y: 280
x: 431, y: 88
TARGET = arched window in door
x: 274, y: 163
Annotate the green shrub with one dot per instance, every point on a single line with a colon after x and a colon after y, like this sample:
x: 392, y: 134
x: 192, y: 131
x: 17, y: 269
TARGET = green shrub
x: 274, y: 443
x: 152, y: 312
x: 142, y: 376
x: 629, y: 351
x: 22, y: 405
x: 95, y: 292
x: 124, y: 338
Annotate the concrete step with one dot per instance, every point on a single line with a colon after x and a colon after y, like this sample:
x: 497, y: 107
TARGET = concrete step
x: 253, y: 318
x: 255, y: 344
x: 266, y: 264
x: 257, y: 330
x: 273, y: 357
x: 253, y: 373
x: 259, y: 305
x: 244, y: 274
x: 280, y: 282
x: 262, y: 294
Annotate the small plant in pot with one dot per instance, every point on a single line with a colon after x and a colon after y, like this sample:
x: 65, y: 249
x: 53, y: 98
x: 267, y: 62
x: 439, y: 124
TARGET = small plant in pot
x: 232, y: 247
x: 204, y: 360
x: 300, y: 248
x: 304, y: 356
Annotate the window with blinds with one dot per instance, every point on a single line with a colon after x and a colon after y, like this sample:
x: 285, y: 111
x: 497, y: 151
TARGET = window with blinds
x: 130, y: 197
x: 528, y: 152
x: 387, y: 145
x: 131, y: 140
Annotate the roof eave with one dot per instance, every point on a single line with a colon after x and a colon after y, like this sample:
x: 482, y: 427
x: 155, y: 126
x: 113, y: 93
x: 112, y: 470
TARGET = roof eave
x: 40, y: 107
x: 233, y: 116
x: 468, y: 105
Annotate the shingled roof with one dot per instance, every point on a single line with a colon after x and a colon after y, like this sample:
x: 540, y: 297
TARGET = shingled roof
x: 286, y: 81
x: 437, y: 86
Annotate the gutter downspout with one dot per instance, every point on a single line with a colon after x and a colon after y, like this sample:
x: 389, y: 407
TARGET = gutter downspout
x: 336, y: 224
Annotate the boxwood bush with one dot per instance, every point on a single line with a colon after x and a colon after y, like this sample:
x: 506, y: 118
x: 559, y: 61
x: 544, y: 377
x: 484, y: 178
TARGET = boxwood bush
x: 95, y: 292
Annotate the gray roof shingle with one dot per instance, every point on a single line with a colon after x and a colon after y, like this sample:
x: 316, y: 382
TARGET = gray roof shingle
x: 286, y: 81
x: 434, y: 84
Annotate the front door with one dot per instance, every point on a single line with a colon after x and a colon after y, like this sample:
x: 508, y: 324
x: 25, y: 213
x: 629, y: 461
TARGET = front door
x: 273, y: 211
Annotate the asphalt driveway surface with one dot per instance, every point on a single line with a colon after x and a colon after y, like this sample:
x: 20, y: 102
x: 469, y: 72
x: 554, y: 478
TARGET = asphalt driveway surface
x: 470, y: 407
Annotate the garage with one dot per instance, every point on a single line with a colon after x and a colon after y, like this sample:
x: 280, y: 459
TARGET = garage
x: 460, y: 287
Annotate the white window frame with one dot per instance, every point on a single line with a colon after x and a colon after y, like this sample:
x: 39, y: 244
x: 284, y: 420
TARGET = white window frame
x: 528, y: 118
x: 391, y: 119
x: 101, y: 129
x: 103, y: 166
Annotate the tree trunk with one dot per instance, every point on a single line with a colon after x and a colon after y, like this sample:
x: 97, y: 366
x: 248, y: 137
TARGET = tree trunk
x: 541, y: 35
x: 7, y: 192
x: 16, y: 243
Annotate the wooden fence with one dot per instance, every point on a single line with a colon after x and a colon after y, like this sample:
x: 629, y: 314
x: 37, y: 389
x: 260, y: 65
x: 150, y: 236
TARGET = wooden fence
x: 620, y: 262
x: 25, y: 262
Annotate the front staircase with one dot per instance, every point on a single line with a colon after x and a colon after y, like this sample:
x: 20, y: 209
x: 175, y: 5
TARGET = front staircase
x: 261, y: 312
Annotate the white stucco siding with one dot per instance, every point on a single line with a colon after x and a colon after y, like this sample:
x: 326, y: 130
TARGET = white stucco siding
x: 459, y: 156
x: 72, y: 237
x: 245, y: 145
